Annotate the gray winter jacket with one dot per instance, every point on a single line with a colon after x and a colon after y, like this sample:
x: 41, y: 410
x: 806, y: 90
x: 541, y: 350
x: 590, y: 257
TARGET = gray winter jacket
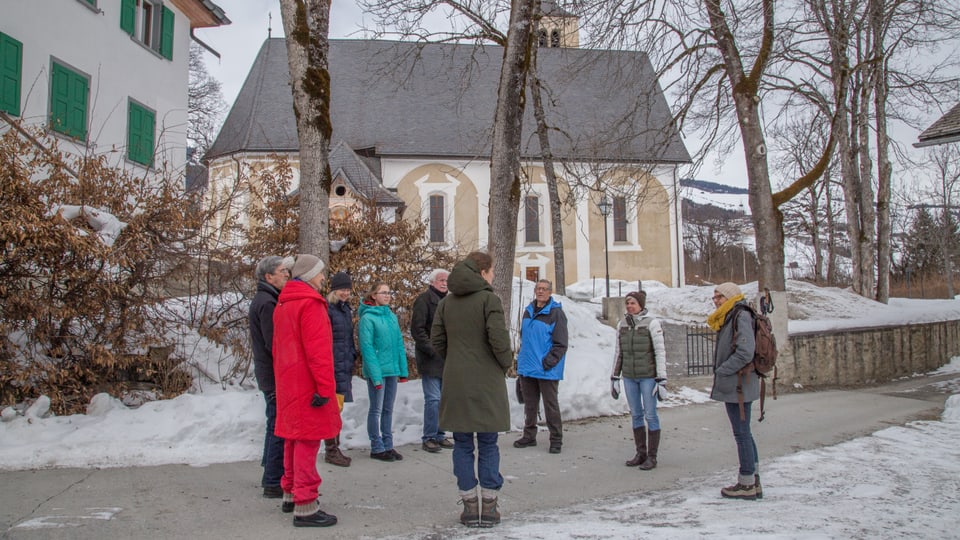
x: 730, y: 358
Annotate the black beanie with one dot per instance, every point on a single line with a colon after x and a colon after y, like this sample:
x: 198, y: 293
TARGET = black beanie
x: 340, y: 280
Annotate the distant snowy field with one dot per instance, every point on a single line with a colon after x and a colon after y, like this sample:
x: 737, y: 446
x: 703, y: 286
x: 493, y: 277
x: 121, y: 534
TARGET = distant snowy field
x: 224, y: 423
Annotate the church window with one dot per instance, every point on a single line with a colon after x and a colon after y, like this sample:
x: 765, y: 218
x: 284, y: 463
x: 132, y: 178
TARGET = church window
x: 619, y: 219
x: 555, y: 38
x: 436, y: 218
x: 531, y: 219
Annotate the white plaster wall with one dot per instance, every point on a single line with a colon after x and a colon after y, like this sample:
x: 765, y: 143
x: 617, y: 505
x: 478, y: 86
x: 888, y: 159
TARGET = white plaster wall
x: 119, y: 68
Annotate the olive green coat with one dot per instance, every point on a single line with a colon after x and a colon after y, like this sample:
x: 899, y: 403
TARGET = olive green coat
x: 470, y: 333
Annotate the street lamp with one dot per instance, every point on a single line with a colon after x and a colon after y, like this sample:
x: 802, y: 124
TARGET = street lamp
x: 605, y: 206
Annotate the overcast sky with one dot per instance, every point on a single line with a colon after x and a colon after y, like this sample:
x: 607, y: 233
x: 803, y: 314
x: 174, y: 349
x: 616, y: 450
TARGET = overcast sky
x: 239, y: 42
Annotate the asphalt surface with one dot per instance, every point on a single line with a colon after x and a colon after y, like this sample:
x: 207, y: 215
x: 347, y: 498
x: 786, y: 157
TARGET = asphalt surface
x: 417, y: 497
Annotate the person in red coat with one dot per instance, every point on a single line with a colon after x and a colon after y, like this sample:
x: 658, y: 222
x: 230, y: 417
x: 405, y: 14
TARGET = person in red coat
x: 307, y: 409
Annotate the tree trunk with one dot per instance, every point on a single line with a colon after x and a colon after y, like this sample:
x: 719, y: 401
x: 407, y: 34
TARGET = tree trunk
x: 851, y: 191
x: 507, y: 141
x: 831, y: 233
x: 883, y: 158
x: 306, y: 24
x: 815, y: 235
x: 867, y: 210
x: 556, y: 225
x: 767, y: 220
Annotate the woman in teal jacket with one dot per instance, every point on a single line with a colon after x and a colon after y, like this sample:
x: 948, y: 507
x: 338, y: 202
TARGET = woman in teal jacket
x: 384, y: 364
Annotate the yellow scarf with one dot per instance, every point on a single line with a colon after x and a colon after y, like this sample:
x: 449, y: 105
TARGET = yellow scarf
x: 715, y: 320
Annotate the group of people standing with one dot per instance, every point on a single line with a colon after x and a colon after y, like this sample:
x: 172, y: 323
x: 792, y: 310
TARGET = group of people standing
x: 305, y: 354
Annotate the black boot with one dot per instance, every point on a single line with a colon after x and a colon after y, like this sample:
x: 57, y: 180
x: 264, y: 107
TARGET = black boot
x: 640, y: 440
x: 756, y: 484
x: 651, y: 461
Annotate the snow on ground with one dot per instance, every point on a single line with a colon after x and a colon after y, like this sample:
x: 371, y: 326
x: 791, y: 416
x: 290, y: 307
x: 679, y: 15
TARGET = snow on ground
x: 900, y: 481
x: 224, y: 423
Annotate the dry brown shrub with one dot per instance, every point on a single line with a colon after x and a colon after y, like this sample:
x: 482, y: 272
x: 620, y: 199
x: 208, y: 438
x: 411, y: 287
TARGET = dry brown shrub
x: 75, y: 310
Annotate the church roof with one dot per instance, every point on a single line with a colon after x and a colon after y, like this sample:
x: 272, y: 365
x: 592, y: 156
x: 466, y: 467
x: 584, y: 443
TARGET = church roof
x: 404, y: 99
x: 549, y: 8
x: 346, y: 164
x: 944, y: 130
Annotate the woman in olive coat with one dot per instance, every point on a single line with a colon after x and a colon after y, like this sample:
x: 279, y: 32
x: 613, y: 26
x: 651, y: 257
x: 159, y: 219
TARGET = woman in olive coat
x: 470, y: 333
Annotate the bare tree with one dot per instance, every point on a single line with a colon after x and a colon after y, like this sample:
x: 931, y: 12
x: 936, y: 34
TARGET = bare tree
x: 205, y: 105
x: 507, y: 142
x: 306, y: 24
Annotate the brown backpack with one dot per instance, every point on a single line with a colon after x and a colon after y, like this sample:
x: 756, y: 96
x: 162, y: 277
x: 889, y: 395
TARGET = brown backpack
x: 764, y: 356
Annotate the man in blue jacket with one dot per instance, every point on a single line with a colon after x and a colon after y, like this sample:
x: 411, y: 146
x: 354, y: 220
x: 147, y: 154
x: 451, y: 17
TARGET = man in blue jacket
x: 543, y: 348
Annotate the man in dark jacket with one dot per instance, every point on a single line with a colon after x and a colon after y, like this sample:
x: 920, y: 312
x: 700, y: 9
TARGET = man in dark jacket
x: 272, y: 274
x: 429, y: 363
x: 543, y: 349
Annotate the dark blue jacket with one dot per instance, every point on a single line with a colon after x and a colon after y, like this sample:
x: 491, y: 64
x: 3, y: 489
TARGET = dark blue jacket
x: 261, y: 335
x: 344, y: 348
x: 543, y: 342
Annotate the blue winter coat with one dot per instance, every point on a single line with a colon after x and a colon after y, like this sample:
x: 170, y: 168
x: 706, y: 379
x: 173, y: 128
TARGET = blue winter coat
x: 543, y: 342
x: 381, y: 344
x: 344, y: 349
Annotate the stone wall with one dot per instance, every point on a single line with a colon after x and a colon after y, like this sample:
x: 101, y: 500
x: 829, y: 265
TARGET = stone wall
x: 866, y: 355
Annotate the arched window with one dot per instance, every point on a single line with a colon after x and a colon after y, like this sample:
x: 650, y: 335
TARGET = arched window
x: 436, y: 218
x: 542, y: 38
x: 619, y: 219
x: 531, y: 225
x: 555, y: 38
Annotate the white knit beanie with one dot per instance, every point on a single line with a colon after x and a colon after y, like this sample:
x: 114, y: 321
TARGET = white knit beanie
x: 306, y: 267
x: 728, y: 289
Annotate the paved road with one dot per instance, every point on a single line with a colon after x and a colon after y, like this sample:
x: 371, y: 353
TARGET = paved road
x: 417, y: 497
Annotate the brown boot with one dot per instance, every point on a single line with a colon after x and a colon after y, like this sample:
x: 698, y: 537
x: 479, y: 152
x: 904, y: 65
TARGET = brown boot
x: 640, y: 440
x: 489, y: 513
x: 333, y: 455
x: 651, y: 461
x: 471, y: 511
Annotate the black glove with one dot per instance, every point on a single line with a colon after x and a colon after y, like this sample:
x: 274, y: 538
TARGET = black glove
x: 318, y: 401
x: 549, y: 363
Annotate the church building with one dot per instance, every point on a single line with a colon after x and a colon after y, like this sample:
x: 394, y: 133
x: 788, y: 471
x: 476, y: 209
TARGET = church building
x: 412, y: 126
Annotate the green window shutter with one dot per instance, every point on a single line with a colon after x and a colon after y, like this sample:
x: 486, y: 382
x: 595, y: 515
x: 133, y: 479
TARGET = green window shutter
x: 68, y: 102
x: 11, y: 66
x: 166, y: 34
x: 140, y: 131
x: 128, y: 16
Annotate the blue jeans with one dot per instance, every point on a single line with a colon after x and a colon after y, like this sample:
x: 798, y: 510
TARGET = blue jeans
x: 643, y: 405
x: 487, y: 461
x: 380, y: 415
x: 272, y: 461
x: 746, y: 446
x: 431, y: 408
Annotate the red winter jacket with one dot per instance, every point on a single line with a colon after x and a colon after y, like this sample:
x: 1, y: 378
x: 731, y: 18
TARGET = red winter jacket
x: 303, y: 365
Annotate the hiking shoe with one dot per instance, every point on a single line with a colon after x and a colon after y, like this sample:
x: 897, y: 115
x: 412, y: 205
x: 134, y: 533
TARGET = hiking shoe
x: 431, y: 446
x: 740, y: 491
x: 471, y: 512
x: 445, y: 443
x: 396, y: 455
x: 756, y: 484
x: 524, y: 442
x: 554, y: 448
x: 287, y: 507
x: 334, y: 456
x: 383, y: 456
x: 272, y: 492
x: 489, y: 513
x: 316, y: 519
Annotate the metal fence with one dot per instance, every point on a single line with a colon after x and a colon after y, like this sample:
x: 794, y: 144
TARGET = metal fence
x: 701, y: 342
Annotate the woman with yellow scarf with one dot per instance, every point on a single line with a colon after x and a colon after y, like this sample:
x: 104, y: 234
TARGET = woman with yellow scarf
x: 732, y: 319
